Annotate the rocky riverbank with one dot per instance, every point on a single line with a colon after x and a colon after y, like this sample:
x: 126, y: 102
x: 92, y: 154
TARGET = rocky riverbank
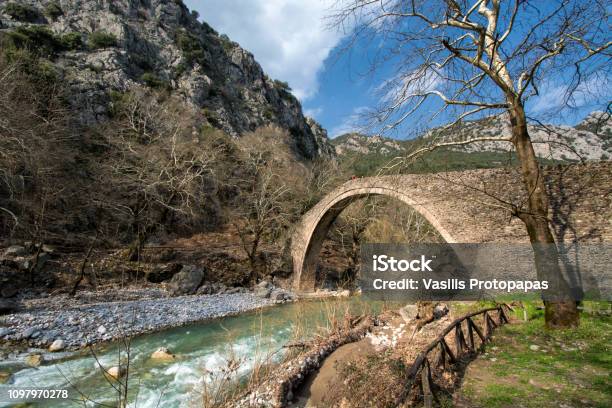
x: 81, y: 325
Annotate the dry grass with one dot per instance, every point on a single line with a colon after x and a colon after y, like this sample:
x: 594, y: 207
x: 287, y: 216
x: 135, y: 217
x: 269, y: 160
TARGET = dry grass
x: 226, y: 385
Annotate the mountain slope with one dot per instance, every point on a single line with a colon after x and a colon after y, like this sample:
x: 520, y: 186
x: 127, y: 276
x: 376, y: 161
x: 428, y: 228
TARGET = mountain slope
x: 131, y: 121
x: 551, y: 142
x: 591, y: 139
x: 100, y: 47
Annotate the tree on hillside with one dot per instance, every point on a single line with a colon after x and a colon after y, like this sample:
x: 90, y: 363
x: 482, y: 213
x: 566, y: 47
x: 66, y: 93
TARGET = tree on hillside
x: 159, y: 171
x: 35, y: 148
x: 487, y: 55
x: 269, y: 187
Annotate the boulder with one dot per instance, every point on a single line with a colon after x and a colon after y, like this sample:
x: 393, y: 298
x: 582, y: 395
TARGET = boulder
x: 440, y: 310
x: 57, y: 345
x: 408, y: 312
x: 264, y: 284
x: 187, y: 281
x: 163, y: 354
x: 277, y: 295
x: 7, y: 306
x: 206, y: 289
x: 8, y: 290
x: 343, y: 293
x: 4, y: 377
x: 101, y: 330
x: 5, y: 331
x: 233, y: 290
x: 262, y: 292
x: 116, y: 372
x: 14, y: 250
x: 30, y: 333
x: 163, y: 273
x: 34, y: 360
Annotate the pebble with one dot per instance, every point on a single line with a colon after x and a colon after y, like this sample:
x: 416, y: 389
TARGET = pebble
x: 57, y: 345
x: 5, y: 331
x: 30, y: 332
x: 85, y: 325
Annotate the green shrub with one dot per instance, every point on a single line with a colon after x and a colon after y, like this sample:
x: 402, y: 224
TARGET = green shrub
x: 42, y: 41
x: 268, y: 113
x: 191, y: 47
x: 226, y: 43
x: 141, y: 61
x: 282, y: 85
x: 53, y: 10
x: 212, y: 117
x: 180, y: 69
x: 40, y: 70
x: 71, y: 41
x: 46, y: 72
x: 153, y: 81
x: 102, y: 39
x: 119, y: 101
x: 37, y: 39
x: 22, y: 12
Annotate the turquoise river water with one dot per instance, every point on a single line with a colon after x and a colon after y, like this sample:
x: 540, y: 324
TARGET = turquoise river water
x: 202, y: 351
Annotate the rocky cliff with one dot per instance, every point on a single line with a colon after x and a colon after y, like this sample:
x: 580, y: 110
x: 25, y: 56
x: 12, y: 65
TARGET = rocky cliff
x: 591, y: 139
x: 98, y: 47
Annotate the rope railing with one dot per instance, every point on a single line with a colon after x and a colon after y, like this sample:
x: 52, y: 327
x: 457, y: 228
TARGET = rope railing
x: 446, y: 356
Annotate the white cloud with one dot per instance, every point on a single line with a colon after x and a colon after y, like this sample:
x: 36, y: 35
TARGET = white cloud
x: 351, y: 123
x: 289, y: 38
x: 554, y: 97
x: 401, y: 87
x: 313, y: 112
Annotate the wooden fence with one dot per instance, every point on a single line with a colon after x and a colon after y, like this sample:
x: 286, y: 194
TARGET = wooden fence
x: 446, y: 356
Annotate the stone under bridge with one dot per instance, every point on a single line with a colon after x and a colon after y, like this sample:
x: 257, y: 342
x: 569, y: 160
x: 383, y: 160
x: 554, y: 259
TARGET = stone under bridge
x: 465, y: 207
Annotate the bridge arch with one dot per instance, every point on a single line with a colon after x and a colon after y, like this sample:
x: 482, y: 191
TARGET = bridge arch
x: 460, y: 207
x: 308, y: 238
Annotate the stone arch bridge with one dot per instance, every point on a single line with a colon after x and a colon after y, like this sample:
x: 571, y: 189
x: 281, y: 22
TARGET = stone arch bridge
x: 465, y: 207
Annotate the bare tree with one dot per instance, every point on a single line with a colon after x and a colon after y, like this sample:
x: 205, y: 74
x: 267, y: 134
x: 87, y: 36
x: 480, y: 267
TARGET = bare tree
x: 35, y: 146
x: 157, y: 165
x: 269, y: 189
x: 349, y: 230
x: 468, y: 57
x: 377, y: 219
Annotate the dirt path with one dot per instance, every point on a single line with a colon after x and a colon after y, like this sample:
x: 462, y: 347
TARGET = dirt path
x: 371, y: 367
x: 318, y: 384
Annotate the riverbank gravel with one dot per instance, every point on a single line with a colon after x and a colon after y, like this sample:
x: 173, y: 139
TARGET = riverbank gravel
x: 83, y: 325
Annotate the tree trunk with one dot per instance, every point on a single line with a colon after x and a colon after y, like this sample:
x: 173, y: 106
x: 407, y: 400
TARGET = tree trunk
x: 562, y: 313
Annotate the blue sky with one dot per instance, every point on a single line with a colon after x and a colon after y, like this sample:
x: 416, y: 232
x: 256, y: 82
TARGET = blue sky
x: 292, y: 41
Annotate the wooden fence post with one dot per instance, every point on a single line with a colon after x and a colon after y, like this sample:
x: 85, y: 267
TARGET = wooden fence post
x: 425, y: 384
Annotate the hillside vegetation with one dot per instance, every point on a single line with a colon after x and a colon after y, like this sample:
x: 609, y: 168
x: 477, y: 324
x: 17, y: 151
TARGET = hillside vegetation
x: 363, y: 155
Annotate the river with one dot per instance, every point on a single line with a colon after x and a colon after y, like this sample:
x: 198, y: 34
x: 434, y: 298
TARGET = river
x: 200, y: 349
